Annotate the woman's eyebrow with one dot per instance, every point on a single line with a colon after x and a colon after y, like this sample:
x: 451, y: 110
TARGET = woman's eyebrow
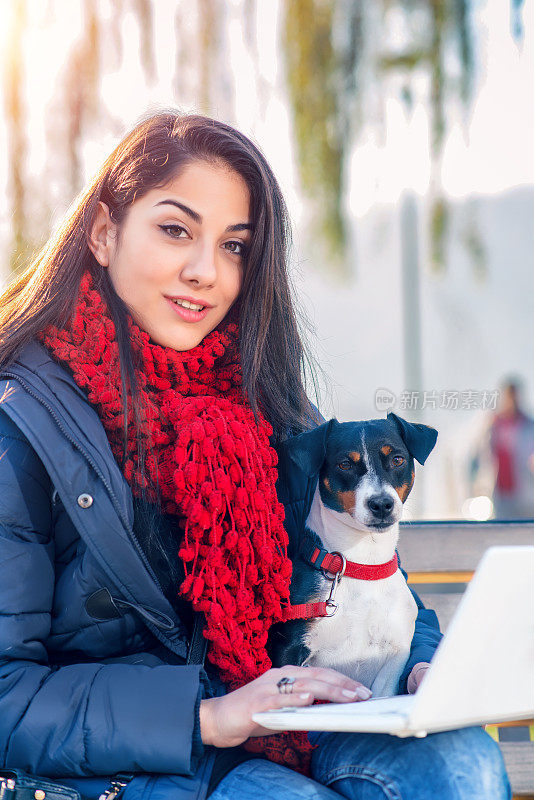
x: 241, y: 226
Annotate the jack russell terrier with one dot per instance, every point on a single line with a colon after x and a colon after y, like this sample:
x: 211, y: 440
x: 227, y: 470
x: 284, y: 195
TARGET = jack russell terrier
x: 345, y: 571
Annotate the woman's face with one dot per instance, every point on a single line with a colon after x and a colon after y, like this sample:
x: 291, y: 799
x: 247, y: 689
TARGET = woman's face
x: 178, y: 263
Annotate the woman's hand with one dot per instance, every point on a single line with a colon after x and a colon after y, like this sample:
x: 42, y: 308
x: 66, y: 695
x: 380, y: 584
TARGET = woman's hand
x: 416, y: 676
x: 227, y: 721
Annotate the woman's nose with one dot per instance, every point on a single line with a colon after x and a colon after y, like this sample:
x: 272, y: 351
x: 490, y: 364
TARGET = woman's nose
x: 200, y: 267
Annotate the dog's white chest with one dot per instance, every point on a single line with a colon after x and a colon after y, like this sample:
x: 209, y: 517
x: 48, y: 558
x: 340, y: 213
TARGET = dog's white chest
x: 369, y: 636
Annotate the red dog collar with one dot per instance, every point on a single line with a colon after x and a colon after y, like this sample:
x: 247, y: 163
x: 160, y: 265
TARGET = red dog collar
x: 333, y: 563
x: 339, y: 567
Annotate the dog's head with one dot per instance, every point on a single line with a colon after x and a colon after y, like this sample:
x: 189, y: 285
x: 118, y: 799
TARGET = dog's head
x: 366, y: 469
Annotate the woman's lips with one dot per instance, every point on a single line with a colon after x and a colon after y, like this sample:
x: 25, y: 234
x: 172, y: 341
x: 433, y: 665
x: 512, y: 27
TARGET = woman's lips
x: 188, y: 314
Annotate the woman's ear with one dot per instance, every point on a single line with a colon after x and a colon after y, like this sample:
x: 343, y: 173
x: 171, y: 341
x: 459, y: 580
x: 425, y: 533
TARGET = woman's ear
x: 102, y: 236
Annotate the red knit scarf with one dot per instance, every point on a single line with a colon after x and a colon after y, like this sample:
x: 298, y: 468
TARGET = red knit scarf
x: 216, y: 472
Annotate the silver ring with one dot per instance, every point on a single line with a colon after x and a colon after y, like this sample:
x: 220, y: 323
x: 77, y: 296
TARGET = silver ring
x: 285, y: 685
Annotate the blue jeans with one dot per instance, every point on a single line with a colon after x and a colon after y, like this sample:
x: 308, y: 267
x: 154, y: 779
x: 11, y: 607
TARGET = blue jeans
x: 464, y: 764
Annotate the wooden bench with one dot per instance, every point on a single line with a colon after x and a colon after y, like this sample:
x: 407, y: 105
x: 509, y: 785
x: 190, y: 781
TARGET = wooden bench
x: 440, y: 558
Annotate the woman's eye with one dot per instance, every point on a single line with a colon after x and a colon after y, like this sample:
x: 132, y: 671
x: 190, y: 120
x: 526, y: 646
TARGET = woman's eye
x: 345, y: 464
x: 241, y: 252
x: 173, y: 230
x: 398, y: 461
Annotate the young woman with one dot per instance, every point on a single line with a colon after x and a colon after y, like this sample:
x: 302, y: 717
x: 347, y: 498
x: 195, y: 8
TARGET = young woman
x: 149, y: 361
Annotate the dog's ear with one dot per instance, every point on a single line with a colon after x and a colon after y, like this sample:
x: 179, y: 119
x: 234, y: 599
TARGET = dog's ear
x: 419, y: 439
x: 308, y: 449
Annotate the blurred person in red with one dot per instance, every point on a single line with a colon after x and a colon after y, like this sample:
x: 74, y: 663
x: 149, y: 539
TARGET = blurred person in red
x: 508, y: 444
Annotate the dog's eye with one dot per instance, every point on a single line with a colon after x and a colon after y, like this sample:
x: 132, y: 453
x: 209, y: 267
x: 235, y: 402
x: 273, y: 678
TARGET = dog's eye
x: 398, y: 461
x: 346, y: 464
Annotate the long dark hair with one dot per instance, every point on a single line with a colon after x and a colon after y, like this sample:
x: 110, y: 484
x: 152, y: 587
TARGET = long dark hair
x: 271, y: 350
x: 155, y: 151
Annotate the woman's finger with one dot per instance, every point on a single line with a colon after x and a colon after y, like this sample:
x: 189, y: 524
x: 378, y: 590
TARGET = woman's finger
x: 331, y: 676
x: 273, y: 701
x: 323, y: 674
x: 333, y: 692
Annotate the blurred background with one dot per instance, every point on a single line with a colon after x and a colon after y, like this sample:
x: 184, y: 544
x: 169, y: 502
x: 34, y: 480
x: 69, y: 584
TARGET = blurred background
x: 401, y: 132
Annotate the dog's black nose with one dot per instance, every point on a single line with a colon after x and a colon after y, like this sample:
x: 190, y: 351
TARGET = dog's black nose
x: 380, y: 505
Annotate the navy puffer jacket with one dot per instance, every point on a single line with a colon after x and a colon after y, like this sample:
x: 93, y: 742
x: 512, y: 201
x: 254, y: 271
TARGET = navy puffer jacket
x: 94, y: 676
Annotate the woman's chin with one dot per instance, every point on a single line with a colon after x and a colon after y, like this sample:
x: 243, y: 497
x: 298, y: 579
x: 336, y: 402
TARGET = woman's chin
x: 185, y: 340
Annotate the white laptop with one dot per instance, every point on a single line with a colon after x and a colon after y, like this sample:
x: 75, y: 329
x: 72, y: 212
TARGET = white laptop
x: 482, y: 671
